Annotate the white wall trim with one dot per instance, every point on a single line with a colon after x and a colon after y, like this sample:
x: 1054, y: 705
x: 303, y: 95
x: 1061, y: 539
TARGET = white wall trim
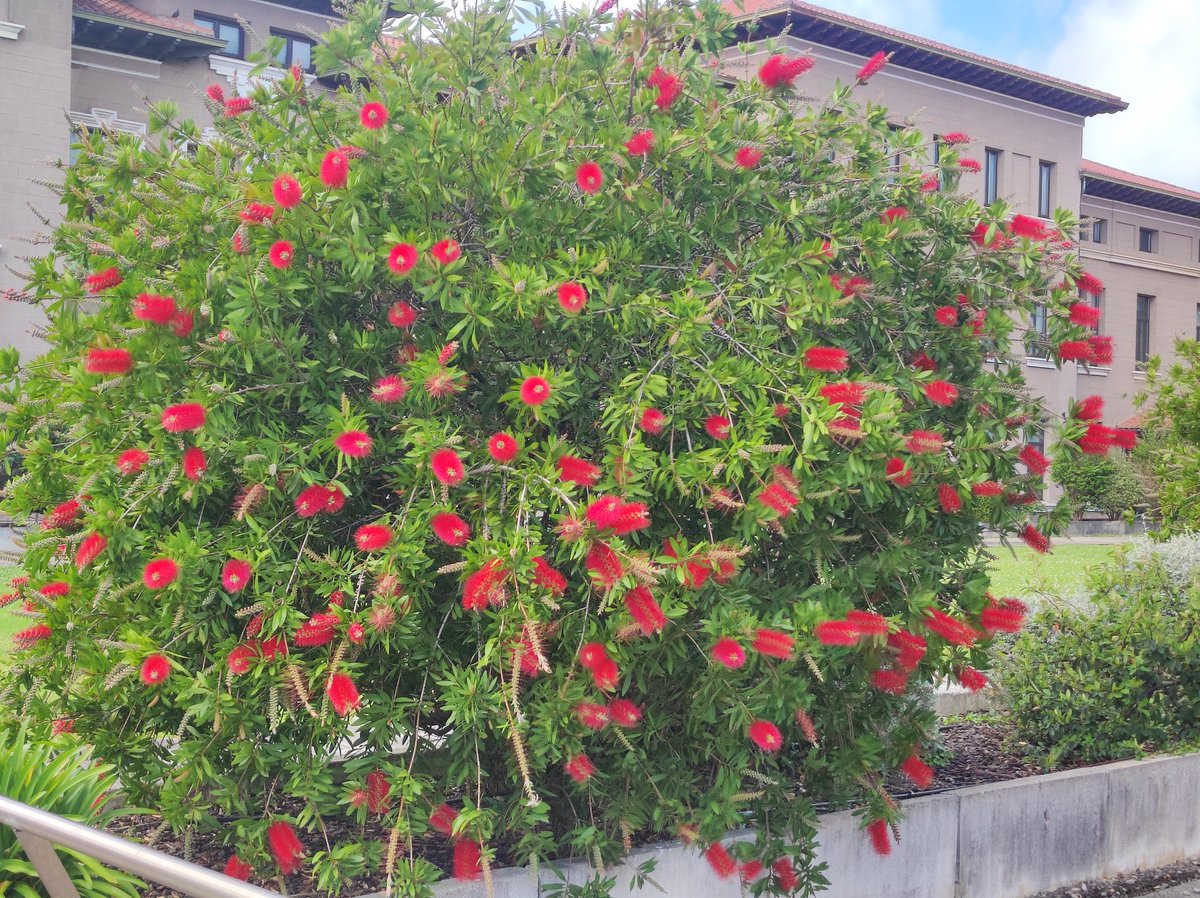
x: 1149, y: 261
x: 107, y: 119
x: 237, y: 72
x: 11, y: 30
x: 304, y: 12
x: 154, y: 70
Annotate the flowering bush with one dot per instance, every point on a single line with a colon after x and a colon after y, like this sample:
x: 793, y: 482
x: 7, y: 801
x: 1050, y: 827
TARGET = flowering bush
x: 577, y: 448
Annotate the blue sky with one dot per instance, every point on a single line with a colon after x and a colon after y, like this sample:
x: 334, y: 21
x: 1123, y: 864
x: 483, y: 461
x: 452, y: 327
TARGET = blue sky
x: 1141, y: 50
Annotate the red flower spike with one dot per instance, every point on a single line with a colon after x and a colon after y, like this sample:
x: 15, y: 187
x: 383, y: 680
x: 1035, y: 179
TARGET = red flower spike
x: 217, y: 94
x: 653, y: 421
x: 287, y: 192
x: 779, y: 71
x: 951, y: 629
x: 194, y: 463
x: 535, y: 390
x: 826, y: 358
x: 949, y: 499
x: 373, y: 116
x: 785, y: 875
x: 285, y: 846
x: 485, y: 587
x: 606, y: 676
x: 372, y: 537
x: 451, y: 529
x: 778, y: 498
x: 467, y: 864
x: 644, y: 610
x: 898, y: 472
x: 1124, y: 438
x: 1084, y: 315
x: 353, y: 443
x: 624, y: 713
x: 836, y: 632
x: 55, y: 590
x: 378, y: 792
x: 1003, y: 615
x: 447, y: 467
x: 766, y: 736
x: 871, y: 67
x: 939, y: 392
x: 747, y: 157
x: 160, y: 573
x: 955, y: 138
x: 281, y: 254
x: 893, y: 682
x: 1090, y: 285
x: 773, y: 643
x: 750, y: 871
x: 318, y: 630
x: 972, y: 679
x: 89, y: 550
x: 894, y: 214
x: 987, y: 489
x: 389, y: 389
x: 343, y: 694
x: 235, y: 576
x: 728, y: 653
x: 922, y: 362
x: 180, y: 418
x: 335, y: 169
x: 931, y: 183
x: 594, y: 717
x: 275, y: 647
x: 1034, y: 460
x: 401, y: 260
x: 867, y: 623
x: 446, y: 251
x: 131, y: 461
x: 719, y: 859
x: 442, y: 819
x: 572, y: 297
x: 592, y: 655
x: 356, y: 633
x: 717, y: 427
x: 235, y: 106
x: 100, y: 281
x: 155, y: 669
x: 183, y: 323
x: 877, y: 830
x: 1102, y: 350
x: 604, y: 565
x: 258, y: 213
x: 580, y: 768
x: 641, y: 144
x: 547, y: 577
x: 502, y: 447
x: 918, y: 771
x: 577, y: 471
x: 1075, y: 351
x: 312, y: 501
x: 240, y: 658
x: 108, y: 361
x: 1035, y: 539
x: 968, y: 164
x: 31, y: 636
x: 1028, y: 228
x: 402, y: 315
x: 1090, y: 408
x: 669, y: 86
x: 235, y: 867
x: 589, y: 177
x: 845, y: 392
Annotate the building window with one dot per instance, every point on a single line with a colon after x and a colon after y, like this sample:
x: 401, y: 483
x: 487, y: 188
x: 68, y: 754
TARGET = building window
x: 1036, y: 342
x: 1141, y: 340
x: 1100, y: 231
x: 224, y: 29
x: 1147, y: 240
x: 991, y: 176
x: 1045, y: 188
x: 296, y: 50
x: 1198, y: 321
x: 1096, y: 302
x: 1036, y: 437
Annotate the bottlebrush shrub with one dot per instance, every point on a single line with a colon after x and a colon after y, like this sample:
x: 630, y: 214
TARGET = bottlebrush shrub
x: 566, y: 565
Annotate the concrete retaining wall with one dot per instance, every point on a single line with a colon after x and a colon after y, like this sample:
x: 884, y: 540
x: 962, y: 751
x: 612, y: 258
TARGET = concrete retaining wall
x: 1008, y: 840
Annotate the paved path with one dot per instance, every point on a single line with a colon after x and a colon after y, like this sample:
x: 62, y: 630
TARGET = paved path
x: 990, y: 540
x: 6, y: 541
x: 1183, y: 890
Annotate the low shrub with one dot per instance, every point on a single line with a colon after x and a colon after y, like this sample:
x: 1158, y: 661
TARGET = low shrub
x: 1108, y: 482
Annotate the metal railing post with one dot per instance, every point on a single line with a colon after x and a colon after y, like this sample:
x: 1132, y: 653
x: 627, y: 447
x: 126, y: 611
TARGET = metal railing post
x: 48, y: 865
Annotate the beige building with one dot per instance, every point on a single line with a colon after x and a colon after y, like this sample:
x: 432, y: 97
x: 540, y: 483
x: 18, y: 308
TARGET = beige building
x: 69, y: 64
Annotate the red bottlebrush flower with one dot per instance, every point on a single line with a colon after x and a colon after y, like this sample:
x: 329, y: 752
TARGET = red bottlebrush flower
x: 606, y: 676
x: 235, y: 106
x: 640, y: 144
x: 194, y: 463
x: 949, y: 498
x: 240, y: 658
x: 577, y: 471
x: 257, y: 213
x: 1029, y: 228
x: 183, y: 323
x: 589, y: 177
x: 447, y: 467
x: 836, y: 632
x: 572, y: 297
x: 372, y: 537
x: 747, y: 157
x: 1075, y: 351
x: 281, y: 254
x: 216, y: 93
x: 898, y: 472
x: 343, y: 694
x: 592, y: 716
x: 99, y: 281
x: 485, y: 587
x: 931, y: 183
x: 155, y: 669
x: 947, y: 316
x: 502, y: 447
x: 955, y: 138
x: 160, y: 573
x: 773, y: 643
x: 852, y: 286
x: 443, y: 383
x: 61, y: 515
x: 274, y: 647
x: 547, y: 577
x: 979, y: 237
x: 312, y: 501
x: 1003, y: 615
x: 971, y: 165
x: 1091, y: 285
x: 720, y: 860
x: 356, y: 633
x: 604, y: 565
x: 1102, y: 350
x: 826, y: 358
x: 239, y: 243
x: 467, y: 864
x: 624, y: 713
x: 446, y: 251
x: 389, y: 389
x: 378, y: 792
x: 442, y: 819
x: 718, y: 426
x: 381, y: 618
x: 844, y: 393
x: 153, y: 308
x: 872, y: 67
x: 318, y: 630
x: 669, y: 86
x: 779, y: 499
x: 31, y: 636
x: 653, y: 421
x: 236, y: 575
x: 287, y: 192
x: 918, y: 771
x: 131, y: 461
x: 580, y: 768
x: 894, y: 214
x: 987, y: 489
x: 235, y: 867
x: 187, y: 416
x: 1097, y: 440
x: 923, y: 362
x: 1089, y: 409
x: 55, y: 590
x: 401, y: 260
x: 779, y: 70
x: 285, y: 846
x: 867, y: 623
x: 880, y: 839
x: 893, y: 682
x: 1084, y: 315
x: 949, y: 628
x: 766, y: 736
x: 402, y: 315
x: 373, y: 115
x: 535, y: 390
x: 108, y: 361
x: 728, y: 653
x: 750, y: 871
x: 1034, y: 460
x: 972, y: 679
x: 785, y: 875
x: 592, y: 655
x: 91, y: 547
x: 939, y: 392
x: 1124, y: 439
x: 335, y: 168
x: 354, y: 443
x: 644, y: 610
x: 451, y: 529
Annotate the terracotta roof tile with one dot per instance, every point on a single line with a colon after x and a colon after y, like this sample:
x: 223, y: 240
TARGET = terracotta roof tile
x: 1108, y: 173
x: 120, y: 9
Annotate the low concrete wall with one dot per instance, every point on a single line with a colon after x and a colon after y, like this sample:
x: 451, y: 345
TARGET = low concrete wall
x: 1008, y: 840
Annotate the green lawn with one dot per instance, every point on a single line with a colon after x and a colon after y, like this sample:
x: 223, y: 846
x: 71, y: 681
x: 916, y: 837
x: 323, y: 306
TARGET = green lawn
x: 9, y: 622
x: 1063, y: 572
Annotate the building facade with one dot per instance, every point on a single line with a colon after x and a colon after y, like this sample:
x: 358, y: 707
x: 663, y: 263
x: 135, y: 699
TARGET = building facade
x: 70, y: 64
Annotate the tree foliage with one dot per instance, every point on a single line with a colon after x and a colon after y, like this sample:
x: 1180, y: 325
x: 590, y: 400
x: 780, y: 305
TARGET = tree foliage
x: 1107, y: 482
x: 597, y: 447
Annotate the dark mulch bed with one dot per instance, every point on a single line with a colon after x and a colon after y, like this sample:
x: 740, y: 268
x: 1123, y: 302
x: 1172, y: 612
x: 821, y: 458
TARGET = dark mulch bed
x: 971, y: 754
x: 1144, y: 882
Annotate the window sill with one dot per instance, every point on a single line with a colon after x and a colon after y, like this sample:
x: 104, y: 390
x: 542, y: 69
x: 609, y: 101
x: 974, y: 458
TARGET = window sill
x: 237, y: 71
x: 1092, y: 370
x: 1032, y: 362
x: 11, y: 30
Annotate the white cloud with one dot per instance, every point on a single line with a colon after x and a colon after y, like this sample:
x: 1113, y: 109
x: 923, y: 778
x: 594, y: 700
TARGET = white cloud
x: 1142, y: 51
x: 913, y: 16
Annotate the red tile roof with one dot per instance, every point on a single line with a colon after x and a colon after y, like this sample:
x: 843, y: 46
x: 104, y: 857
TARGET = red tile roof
x: 1093, y: 101
x: 120, y: 9
x: 1108, y: 173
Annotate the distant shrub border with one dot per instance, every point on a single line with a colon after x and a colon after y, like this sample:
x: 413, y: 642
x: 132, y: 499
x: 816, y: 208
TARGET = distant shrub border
x: 596, y: 451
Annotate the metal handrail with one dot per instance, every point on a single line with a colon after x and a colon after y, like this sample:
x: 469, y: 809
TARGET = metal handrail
x: 39, y: 831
